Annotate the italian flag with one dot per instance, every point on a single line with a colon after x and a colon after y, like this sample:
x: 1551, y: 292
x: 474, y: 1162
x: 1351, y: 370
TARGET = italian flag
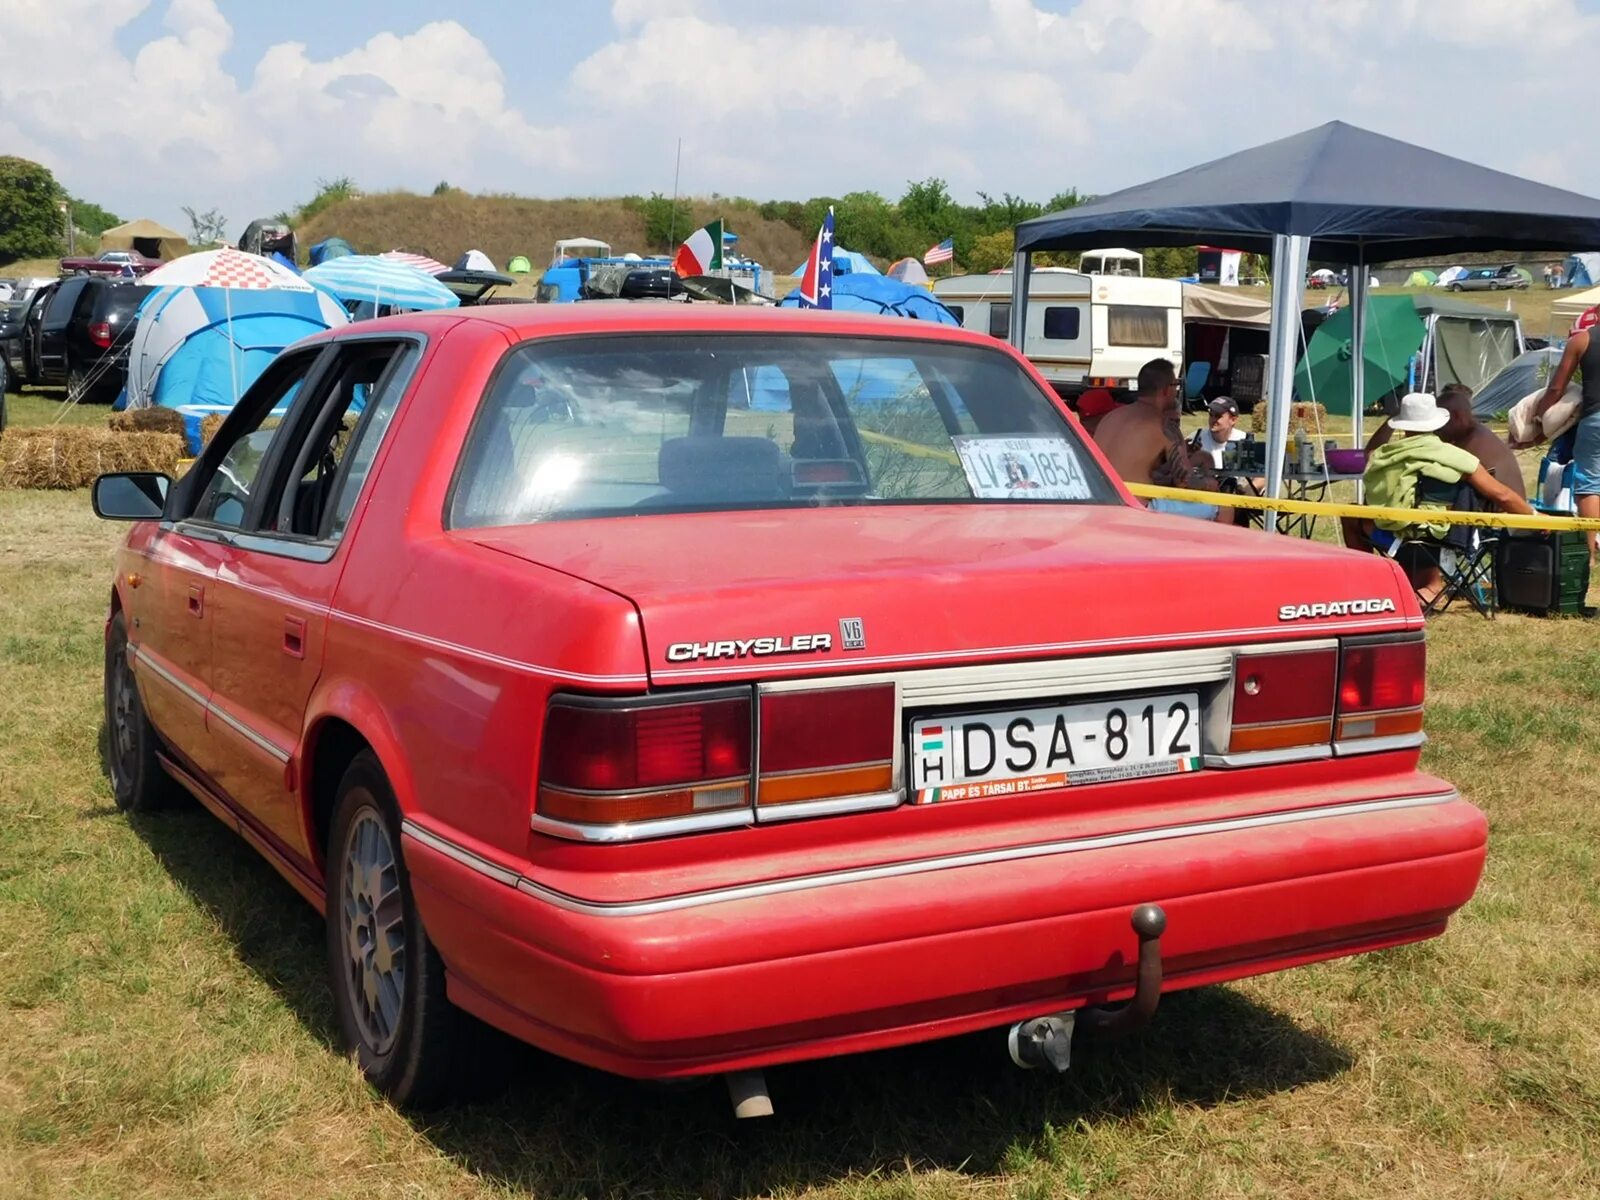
x: 702, y: 253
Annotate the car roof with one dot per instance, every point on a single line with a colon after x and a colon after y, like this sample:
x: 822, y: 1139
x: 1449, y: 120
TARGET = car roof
x: 527, y: 321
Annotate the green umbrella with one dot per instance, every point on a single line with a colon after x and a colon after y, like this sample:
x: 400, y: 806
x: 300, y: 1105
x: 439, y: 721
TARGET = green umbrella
x: 1394, y: 334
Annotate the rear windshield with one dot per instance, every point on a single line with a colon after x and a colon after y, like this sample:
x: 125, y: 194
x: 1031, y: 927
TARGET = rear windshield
x: 632, y: 424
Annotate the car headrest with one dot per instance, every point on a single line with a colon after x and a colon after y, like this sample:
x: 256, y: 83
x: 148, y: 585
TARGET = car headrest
x: 724, y: 468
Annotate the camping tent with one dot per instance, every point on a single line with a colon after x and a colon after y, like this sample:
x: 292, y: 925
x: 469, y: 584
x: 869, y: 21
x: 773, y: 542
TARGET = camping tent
x: 1422, y: 278
x: 845, y: 262
x: 331, y: 247
x: 1581, y: 270
x: 1219, y: 306
x: 147, y: 238
x: 1466, y: 343
x: 1448, y: 276
x: 474, y: 260
x: 519, y: 265
x: 879, y: 294
x: 193, y: 347
x: 908, y: 270
x: 1523, y: 374
x: 1572, y: 306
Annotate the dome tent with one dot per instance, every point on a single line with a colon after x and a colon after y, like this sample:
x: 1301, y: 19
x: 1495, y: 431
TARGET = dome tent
x: 1422, y: 278
x: 331, y: 247
x: 908, y: 270
x: 880, y: 294
x: 197, y: 349
x: 519, y: 266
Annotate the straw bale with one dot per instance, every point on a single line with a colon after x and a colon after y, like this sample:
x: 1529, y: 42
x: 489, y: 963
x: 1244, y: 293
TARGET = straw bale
x: 1303, y: 417
x: 71, y: 457
x: 147, y: 420
x: 208, y: 427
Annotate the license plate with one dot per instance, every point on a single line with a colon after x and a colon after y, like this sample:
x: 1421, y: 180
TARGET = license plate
x: 977, y: 755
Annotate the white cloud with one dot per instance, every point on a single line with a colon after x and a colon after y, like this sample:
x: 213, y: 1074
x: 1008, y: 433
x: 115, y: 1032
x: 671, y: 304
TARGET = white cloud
x: 773, y: 100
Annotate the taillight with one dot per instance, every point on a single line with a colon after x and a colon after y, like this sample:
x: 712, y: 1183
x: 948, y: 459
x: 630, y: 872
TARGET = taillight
x: 829, y: 744
x: 607, y: 765
x: 1283, y: 700
x: 1381, y: 683
x: 100, y: 334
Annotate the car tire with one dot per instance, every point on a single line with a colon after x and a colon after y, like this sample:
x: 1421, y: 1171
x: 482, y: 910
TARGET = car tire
x: 388, y: 981
x: 1455, y: 287
x: 77, y: 384
x: 139, y: 784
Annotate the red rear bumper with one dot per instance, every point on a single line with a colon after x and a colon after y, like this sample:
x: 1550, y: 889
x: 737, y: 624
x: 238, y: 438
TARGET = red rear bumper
x: 903, y: 952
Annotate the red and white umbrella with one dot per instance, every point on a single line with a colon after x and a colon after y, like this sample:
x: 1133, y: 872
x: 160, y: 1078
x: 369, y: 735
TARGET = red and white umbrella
x: 225, y: 268
x: 420, y: 261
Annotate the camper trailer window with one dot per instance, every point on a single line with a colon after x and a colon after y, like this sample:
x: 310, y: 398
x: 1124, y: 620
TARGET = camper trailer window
x: 1136, y: 325
x: 1000, y: 321
x: 958, y: 312
x: 1061, y: 323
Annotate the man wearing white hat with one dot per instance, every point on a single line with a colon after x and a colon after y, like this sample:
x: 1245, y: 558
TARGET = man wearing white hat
x: 1395, y: 468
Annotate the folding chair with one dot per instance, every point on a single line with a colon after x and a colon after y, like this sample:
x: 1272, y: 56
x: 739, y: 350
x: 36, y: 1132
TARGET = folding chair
x: 1464, y: 556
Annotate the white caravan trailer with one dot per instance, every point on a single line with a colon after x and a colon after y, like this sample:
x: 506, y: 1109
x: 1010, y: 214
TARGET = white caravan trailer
x: 1083, y: 331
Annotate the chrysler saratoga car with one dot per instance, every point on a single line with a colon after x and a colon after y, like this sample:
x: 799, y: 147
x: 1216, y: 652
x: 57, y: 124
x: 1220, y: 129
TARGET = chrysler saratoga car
x: 688, y: 690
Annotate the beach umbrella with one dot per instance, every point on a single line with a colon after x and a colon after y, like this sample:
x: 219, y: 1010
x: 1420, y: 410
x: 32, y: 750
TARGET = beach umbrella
x: 225, y: 268
x: 420, y: 261
x: 1394, y: 334
x: 379, y: 280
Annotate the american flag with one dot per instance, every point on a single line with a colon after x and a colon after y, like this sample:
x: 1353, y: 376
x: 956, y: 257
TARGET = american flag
x: 816, y: 283
x: 943, y: 252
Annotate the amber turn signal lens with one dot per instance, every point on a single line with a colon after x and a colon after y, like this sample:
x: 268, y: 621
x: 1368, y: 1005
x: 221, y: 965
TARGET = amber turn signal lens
x: 823, y: 785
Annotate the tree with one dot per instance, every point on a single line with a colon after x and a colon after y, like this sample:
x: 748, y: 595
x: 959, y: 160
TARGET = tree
x: 30, y: 217
x: 666, y: 221
x: 91, y: 218
x: 208, y: 227
x: 991, y: 251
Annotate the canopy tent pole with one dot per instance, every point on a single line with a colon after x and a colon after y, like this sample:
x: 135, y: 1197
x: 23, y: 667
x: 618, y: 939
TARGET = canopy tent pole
x: 1289, y: 254
x: 1021, y: 272
x: 1358, y: 360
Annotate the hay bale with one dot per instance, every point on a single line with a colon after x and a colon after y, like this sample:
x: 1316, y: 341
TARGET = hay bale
x: 1303, y: 416
x: 71, y: 457
x: 208, y: 428
x: 147, y: 420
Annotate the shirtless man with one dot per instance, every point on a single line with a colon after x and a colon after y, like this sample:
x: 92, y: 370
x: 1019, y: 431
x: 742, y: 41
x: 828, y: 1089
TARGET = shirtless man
x: 1465, y: 431
x: 1144, y: 444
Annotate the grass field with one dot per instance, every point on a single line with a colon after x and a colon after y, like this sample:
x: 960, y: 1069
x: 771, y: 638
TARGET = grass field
x: 165, y: 1031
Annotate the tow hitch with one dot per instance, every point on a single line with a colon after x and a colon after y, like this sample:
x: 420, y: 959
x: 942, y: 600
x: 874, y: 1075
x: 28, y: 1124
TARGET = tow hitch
x: 1047, y: 1041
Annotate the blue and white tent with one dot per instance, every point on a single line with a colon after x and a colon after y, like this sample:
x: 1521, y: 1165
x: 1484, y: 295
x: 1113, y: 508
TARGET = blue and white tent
x: 880, y: 294
x: 846, y: 262
x: 1581, y: 270
x: 198, y: 349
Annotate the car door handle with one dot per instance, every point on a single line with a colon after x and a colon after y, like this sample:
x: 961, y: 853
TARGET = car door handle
x: 197, y: 600
x: 294, y: 637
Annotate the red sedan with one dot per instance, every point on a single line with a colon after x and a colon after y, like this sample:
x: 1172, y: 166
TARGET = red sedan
x: 689, y: 690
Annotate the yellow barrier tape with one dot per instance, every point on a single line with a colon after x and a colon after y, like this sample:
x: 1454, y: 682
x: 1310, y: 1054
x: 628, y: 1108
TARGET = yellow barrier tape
x: 1317, y: 508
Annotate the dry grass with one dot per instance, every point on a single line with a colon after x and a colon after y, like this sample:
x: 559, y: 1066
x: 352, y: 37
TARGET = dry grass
x: 146, y: 420
x: 66, y: 457
x: 165, y: 1029
x: 445, y: 227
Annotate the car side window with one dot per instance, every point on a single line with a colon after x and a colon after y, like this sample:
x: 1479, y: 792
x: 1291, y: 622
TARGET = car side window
x: 225, y: 497
x: 334, y: 444
x: 60, y: 307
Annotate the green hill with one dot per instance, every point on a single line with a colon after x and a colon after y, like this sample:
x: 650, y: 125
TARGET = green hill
x: 446, y: 226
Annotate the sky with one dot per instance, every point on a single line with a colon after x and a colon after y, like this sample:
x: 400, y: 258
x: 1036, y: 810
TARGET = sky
x: 145, y: 106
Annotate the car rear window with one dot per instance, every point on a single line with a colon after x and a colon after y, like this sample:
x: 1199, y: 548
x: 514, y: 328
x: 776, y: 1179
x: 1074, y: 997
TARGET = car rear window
x: 688, y: 422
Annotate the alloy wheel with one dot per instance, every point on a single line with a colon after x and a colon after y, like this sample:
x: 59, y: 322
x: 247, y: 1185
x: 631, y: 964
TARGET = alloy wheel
x: 372, y: 922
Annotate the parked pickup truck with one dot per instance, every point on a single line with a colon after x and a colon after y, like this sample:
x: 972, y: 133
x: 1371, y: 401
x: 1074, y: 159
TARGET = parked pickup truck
x: 110, y: 262
x: 683, y: 735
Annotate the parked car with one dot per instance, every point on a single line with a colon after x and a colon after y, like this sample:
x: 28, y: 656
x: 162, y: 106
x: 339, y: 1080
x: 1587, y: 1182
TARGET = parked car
x: 111, y: 262
x: 1487, y: 279
x: 76, y: 335
x: 690, y: 739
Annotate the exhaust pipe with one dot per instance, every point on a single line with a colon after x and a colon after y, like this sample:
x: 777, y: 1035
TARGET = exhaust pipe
x: 748, y: 1091
x: 1149, y: 923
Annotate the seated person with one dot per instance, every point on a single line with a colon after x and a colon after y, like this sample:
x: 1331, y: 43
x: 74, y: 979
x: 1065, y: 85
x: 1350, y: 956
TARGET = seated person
x: 1222, y: 420
x: 1461, y: 429
x: 1093, y: 405
x: 1395, y: 468
x: 1144, y: 444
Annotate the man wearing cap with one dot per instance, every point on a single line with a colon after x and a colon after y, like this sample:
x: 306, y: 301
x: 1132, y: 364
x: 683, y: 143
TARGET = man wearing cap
x: 1222, y: 419
x: 1092, y: 406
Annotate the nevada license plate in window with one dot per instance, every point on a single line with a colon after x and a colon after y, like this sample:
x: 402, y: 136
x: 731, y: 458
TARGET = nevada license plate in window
x: 972, y: 756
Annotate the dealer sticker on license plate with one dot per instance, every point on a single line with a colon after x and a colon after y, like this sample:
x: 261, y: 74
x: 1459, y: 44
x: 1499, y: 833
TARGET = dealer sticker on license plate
x: 978, y: 755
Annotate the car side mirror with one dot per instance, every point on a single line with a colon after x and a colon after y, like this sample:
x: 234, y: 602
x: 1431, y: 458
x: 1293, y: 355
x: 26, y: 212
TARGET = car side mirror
x: 130, y: 496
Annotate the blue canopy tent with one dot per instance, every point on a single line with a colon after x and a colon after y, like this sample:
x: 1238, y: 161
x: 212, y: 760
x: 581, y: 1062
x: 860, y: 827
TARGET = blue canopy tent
x: 1335, y: 194
x: 197, y: 349
x: 880, y: 294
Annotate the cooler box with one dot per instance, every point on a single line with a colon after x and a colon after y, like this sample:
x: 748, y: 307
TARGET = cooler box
x: 1542, y: 572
